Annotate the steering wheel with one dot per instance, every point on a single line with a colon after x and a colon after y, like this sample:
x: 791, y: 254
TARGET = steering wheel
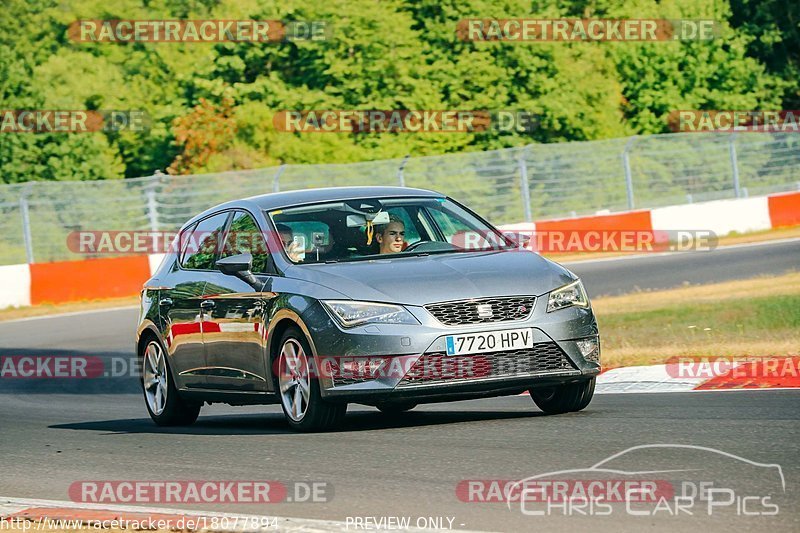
x: 412, y: 247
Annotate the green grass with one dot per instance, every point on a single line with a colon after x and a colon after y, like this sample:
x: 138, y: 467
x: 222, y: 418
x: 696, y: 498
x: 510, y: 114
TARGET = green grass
x: 761, y: 326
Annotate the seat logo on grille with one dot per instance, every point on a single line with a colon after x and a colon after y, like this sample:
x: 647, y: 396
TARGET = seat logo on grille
x: 484, y: 310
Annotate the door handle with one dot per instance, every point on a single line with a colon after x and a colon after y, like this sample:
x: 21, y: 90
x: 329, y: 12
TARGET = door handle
x: 165, y: 302
x: 207, y: 304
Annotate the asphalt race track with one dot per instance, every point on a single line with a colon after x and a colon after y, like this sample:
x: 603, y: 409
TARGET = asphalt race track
x: 55, y: 433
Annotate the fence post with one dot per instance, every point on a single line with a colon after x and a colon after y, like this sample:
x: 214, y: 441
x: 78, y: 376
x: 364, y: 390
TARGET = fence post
x: 152, y: 204
x: 401, y: 178
x: 524, y: 186
x: 626, y: 165
x: 276, y: 181
x: 734, y: 165
x: 26, y: 223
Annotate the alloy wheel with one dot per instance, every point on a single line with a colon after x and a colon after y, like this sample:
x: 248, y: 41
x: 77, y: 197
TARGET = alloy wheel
x: 293, y: 379
x: 154, y: 376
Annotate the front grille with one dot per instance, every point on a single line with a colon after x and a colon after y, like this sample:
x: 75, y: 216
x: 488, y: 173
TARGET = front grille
x: 438, y: 367
x: 342, y: 381
x: 466, y: 312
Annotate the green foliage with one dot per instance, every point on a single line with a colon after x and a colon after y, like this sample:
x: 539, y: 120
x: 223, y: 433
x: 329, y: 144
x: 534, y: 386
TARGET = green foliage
x: 381, y: 54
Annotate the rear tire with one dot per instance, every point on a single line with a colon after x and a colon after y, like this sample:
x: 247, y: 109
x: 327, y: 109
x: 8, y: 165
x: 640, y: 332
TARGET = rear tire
x: 395, y: 408
x: 161, y: 397
x: 564, y: 398
x: 303, y: 406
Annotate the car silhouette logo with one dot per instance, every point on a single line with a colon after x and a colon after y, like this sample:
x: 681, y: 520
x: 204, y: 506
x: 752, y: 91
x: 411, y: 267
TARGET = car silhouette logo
x: 485, y: 310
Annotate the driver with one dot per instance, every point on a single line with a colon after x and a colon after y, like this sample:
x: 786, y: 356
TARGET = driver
x: 392, y: 236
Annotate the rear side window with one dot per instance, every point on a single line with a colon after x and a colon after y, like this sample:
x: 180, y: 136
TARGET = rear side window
x: 244, y: 236
x: 201, y: 244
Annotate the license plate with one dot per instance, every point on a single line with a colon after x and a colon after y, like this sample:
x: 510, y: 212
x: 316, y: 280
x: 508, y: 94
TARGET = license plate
x: 489, y: 341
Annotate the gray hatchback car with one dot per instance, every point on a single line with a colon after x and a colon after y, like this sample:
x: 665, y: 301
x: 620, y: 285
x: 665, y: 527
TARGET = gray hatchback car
x: 384, y: 296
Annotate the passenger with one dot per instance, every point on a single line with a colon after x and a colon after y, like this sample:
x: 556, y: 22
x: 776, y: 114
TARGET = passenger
x: 392, y: 236
x: 292, y: 248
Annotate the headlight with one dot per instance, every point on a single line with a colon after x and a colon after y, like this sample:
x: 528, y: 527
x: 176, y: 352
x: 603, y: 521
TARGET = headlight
x: 350, y: 313
x: 567, y: 296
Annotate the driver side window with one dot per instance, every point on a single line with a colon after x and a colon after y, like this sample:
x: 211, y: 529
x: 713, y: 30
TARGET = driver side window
x: 244, y: 236
x: 201, y: 243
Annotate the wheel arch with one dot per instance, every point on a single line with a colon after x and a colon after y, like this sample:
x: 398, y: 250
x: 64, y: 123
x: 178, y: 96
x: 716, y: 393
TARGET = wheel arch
x: 147, y: 332
x: 283, y: 320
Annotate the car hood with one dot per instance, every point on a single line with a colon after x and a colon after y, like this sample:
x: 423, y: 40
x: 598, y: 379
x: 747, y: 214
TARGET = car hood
x: 420, y: 280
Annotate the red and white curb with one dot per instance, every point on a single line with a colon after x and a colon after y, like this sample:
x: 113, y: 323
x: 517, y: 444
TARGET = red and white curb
x: 90, y: 515
x: 767, y: 373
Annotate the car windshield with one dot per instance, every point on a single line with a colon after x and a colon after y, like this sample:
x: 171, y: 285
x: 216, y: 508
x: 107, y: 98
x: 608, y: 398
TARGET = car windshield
x: 371, y: 228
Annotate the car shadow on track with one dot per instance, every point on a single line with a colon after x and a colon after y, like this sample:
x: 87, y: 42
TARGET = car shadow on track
x: 275, y: 424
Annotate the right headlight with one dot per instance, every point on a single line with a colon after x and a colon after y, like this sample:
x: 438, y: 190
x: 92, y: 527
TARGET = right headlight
x: 351, y: 313
x: 569, y: 295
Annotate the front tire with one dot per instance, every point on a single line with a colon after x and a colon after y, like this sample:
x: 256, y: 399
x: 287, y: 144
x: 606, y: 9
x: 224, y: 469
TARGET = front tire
x: 564, y: 398
x: 161, y: 398
x: 303, y: 406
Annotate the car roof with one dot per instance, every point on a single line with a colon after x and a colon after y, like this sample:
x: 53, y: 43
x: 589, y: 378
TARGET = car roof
x: 330, y: 194
x: 279, y: 200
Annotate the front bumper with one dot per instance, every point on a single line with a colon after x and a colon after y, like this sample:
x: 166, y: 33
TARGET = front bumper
x: 409, y: 350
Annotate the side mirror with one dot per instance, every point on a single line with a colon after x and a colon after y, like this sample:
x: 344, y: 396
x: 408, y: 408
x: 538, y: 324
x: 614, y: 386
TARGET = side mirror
x: 240, y: 266
x: 520, y: 238
x: 235, y: 264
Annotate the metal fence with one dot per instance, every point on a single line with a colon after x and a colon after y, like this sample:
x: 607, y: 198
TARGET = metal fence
x: 510, y: 185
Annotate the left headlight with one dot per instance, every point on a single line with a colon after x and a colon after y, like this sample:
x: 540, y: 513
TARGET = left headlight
x: 351, y: 313
x: 568, y: 296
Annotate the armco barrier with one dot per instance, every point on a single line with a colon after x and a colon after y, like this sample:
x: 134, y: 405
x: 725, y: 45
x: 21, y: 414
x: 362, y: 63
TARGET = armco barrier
x: 15, y: 285
x: 67, y: 281
x: 630, y: 221
x: 784, y: 209
x: 37, y: 283
x: 721, y: 216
